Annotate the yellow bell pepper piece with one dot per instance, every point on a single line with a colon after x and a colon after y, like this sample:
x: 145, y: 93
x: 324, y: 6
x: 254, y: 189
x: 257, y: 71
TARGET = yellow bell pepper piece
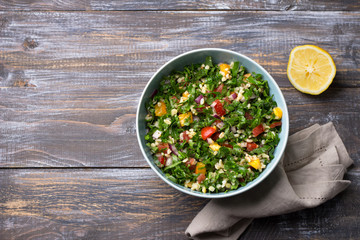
x: 200, y: 168
x: 225, y: 68
x: 278, y: 112
x: 184, y: 117
x: 255, y: 164
x: 160, y: 109
x: 215, y: 147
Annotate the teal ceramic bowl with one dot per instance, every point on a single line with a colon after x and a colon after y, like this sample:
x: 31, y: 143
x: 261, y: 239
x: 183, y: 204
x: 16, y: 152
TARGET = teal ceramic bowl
x: 218, y: 56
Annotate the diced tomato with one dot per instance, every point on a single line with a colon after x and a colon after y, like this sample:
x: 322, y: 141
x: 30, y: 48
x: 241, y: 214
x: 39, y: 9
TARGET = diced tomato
x: 251, y: 146
x: 185, y: 137
x: 163, y: 147
x: 275, y: 124
x: 248, y: 116
x: 162, y: 159
x: 258, y: 130
x: 201, y: 178
x: 228, y: 145
x: 191, y: 164
x: 219, y: 109
x: 219, y: 88
x: 215, y: 136
x: 206, y: 132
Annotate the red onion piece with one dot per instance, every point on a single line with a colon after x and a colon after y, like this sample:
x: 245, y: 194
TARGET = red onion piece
x: 233, y: 96
x: 154, y: 93
x: 198, y: 99
x: 173, y: 149
x: 216, y: 116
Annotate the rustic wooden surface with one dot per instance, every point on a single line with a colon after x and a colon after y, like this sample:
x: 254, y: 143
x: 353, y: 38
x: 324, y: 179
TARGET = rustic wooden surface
x: 71, y: 74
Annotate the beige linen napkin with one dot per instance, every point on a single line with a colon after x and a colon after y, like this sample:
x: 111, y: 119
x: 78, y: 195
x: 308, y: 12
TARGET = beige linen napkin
x: 310, y: 173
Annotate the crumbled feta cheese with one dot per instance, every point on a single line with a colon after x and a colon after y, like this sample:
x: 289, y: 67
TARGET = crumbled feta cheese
x: 193, y: 110
x: 156, y: 134
x: 228, y: 185
x: 263, y: 142
x: 168, y: 161
x: 236, y: 135
x: 224, y: 182
x: 222, y: 135
x: 167, y: 121
x: 243, y: 144
x: 249, y: 140
x: 248, y: 106
x: 181, y: 136
x: 211, y: 189
x: 156, y: 124
x: 184, y: 97
x: 195, y: 186
x: 203, y: 88
x: 191, y: 133
x: 180, y: 79
x: 173, y: 112
x: 202, y: 101
x: 153, y: 145
x: 219, y: 165
x: 207, y: 67
x: 148, y: 117
x: 218, y: 186
x: 171, y: 140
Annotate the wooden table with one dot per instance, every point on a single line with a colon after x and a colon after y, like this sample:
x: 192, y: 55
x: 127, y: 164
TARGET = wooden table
x: 71, y: 74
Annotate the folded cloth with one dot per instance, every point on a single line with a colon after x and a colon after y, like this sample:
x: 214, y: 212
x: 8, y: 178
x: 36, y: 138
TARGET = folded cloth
x: 310, y: 173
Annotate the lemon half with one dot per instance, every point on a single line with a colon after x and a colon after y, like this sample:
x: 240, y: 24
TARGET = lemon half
x: 310, y: 69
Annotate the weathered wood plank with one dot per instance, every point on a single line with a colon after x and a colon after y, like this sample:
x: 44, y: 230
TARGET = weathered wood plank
x: 49, y: 130
x: 136, y: 204
x: 82, y: 49
x: 83, y: 73
x: 282, y: 5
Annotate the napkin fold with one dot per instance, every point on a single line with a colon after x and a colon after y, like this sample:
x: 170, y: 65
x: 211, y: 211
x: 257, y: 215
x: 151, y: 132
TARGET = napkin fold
x: 310, y: 173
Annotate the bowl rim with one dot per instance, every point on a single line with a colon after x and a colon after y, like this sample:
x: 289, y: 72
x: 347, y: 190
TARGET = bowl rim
x: 261, y: 177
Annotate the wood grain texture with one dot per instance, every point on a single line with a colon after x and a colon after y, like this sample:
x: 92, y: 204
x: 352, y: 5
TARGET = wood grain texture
x: 136, y: 204
x: 70, y: 81
x: 112, y: 5
x: 80, y: 50
x: 72, y: 137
